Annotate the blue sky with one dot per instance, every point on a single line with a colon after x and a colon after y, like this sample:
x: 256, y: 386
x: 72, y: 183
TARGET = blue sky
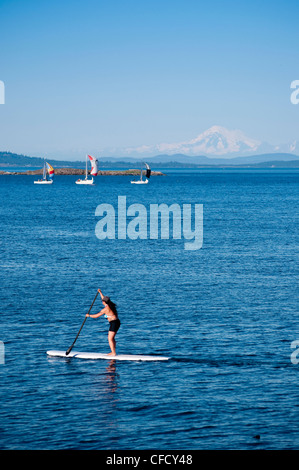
x: 91, y: 76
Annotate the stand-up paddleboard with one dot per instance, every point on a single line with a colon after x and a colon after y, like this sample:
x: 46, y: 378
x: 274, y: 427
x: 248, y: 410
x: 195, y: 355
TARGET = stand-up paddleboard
x: 120, y: 357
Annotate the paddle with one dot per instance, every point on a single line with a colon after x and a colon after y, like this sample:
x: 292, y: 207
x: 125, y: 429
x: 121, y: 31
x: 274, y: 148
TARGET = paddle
x: 71, y: 347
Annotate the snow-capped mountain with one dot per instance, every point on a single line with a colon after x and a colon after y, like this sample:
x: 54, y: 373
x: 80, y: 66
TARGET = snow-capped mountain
x: 220, y: 141
x: 216, y: 141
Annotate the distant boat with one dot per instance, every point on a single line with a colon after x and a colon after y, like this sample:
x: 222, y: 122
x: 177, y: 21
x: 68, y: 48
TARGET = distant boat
x: 94, y: 171
x: 147, y: 175
x: 47, y: 169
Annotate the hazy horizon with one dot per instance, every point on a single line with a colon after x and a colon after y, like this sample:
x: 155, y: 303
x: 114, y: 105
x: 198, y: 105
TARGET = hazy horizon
x: 103, y: 77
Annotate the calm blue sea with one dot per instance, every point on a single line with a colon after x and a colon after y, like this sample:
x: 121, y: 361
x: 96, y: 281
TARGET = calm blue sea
x: 226, y: 315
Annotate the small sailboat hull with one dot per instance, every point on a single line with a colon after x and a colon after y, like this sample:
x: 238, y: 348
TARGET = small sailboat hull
x: 140, y: 182
x: 86, y: 181
x: 43, y: 182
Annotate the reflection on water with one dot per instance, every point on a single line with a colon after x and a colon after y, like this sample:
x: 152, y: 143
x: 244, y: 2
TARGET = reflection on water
x: 109, y: 396
x: 110, y: 378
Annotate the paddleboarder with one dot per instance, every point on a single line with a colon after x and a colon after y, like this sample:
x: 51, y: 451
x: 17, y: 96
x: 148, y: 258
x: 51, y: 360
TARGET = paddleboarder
x: 110, y: 313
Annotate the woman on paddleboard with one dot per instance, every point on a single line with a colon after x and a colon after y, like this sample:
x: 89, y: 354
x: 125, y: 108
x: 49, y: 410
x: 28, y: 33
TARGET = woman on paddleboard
x: 110, y: 313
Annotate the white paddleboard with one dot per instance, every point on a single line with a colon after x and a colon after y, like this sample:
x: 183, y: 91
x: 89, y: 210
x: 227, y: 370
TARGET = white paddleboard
x: 120, y: 357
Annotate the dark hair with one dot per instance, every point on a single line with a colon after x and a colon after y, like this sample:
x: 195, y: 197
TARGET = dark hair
x: 110, y: 304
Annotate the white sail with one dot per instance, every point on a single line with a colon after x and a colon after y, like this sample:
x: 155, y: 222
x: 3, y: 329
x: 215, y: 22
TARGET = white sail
x: 44, y: 171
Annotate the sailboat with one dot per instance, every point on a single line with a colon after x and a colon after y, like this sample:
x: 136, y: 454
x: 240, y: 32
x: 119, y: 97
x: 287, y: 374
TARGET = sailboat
x: 94, y: 171
x: 47, y: 168
x: 147, y: 175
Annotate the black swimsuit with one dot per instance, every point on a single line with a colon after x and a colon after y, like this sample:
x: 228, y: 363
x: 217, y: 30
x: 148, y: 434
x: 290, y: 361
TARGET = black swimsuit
x: 114, y: 325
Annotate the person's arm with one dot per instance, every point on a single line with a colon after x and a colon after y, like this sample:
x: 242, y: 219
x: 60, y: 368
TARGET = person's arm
x: 100, y: 292
x: 96, y: 315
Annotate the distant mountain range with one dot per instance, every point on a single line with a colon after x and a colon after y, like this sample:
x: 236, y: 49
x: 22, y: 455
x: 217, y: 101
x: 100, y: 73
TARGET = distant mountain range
x: 10, y: 160
x: 236, y: 161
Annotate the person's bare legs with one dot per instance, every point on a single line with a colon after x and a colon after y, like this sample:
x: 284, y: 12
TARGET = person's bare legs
x: 112, y: 343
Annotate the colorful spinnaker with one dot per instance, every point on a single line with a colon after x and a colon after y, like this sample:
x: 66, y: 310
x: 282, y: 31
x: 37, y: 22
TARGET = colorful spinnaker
x: 94, y: 165
x: 50, y: 170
